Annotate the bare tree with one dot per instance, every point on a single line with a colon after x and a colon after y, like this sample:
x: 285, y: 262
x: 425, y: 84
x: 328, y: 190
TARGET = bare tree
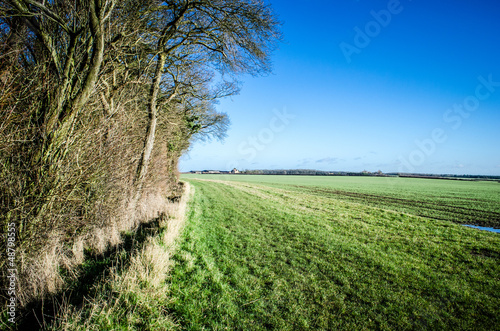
x: 198, y: 38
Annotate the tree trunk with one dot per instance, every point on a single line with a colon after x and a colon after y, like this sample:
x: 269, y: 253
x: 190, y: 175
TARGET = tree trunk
x: 61, y: 122
x: 142, y: 169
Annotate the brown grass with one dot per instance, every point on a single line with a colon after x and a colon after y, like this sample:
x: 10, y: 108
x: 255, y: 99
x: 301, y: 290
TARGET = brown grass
x: 125, y: 295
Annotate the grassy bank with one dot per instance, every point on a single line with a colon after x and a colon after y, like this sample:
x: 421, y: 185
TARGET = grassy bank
x: 126, y: 289
x: 274, y: 255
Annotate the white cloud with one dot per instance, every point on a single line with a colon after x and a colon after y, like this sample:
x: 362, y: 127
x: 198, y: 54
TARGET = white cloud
x: 328, y: 160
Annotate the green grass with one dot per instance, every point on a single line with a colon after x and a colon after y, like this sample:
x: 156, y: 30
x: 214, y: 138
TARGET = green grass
x: 291, y: 253
x: 465, y: 202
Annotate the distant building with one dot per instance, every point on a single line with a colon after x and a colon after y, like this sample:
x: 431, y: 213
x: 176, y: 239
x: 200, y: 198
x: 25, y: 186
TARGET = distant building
x: 235, y: 171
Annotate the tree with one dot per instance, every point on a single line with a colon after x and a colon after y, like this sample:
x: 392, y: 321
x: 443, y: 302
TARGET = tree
x: 197, y: 38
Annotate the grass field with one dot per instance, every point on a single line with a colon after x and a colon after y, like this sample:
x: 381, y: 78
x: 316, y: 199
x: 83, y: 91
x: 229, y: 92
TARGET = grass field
x: 466, y: 202
x: 292, y: 253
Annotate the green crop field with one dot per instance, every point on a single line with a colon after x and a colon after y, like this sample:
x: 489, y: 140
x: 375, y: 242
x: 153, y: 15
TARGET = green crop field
x: 466, y: 202
x: 293, y: 253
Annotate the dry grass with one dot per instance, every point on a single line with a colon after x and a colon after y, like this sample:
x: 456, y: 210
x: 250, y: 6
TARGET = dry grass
x: 133, y: 298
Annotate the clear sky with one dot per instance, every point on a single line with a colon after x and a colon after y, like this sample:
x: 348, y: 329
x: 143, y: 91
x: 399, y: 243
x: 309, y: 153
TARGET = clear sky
x: 400, y: 86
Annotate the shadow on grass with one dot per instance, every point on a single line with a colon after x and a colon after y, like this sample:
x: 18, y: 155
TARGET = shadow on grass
x: 40, y: 314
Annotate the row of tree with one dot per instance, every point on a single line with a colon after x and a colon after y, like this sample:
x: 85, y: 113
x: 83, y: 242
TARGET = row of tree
x: 98, y: 100
x: 311, y: 172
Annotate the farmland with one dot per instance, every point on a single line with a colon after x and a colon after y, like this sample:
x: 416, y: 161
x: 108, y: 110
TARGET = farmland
x: 288, y: 253
x: 462, y: 202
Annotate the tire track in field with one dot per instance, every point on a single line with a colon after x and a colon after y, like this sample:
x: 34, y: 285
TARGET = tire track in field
x: 434, y: 210
x: 427, y: 209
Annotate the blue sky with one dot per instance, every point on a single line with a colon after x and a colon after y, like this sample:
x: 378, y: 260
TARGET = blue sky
x: 400, y: 86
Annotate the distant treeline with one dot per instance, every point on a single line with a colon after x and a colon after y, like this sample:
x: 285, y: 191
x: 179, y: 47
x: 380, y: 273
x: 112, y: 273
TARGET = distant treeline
x: 448, y: 176
x: 311, y: 172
